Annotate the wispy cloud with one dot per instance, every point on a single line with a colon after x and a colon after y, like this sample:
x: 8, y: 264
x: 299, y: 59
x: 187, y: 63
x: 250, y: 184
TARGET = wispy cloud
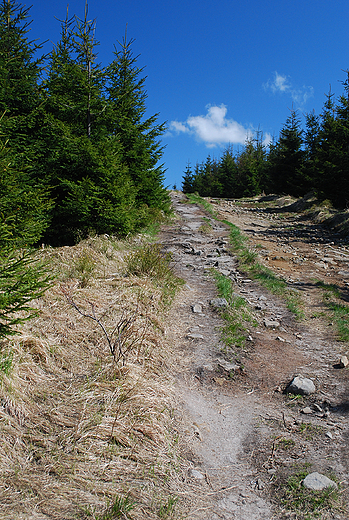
x: 214, y: 128
x: 282, y: 84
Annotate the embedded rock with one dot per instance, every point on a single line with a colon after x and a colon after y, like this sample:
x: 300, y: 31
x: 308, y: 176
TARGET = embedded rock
x: 343, y: 362
x: 219, y: 302
x: 301, y: 385
x: 317, y: 482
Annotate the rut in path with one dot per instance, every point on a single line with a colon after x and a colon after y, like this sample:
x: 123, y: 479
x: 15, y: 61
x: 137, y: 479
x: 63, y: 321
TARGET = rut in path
x: 226, y: 422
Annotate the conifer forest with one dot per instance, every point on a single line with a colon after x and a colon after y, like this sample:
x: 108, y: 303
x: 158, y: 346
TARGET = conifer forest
x: 301, y: 160
x: 78, y: 156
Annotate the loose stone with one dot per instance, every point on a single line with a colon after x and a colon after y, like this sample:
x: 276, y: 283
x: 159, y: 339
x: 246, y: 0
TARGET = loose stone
x: 194, y: 336
x: 197, y: 308
x: 225, y: 365
x: 219, y: 302
x: 317, y: 482
x: 343, y: 362
x: 271, y: 324
x: 196, y: 474
x: 307, y: 410
x: 301, y: 385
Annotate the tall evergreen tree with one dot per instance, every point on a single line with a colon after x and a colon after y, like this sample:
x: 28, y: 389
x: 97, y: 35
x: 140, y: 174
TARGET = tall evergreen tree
x: 286, y: 160
x: 19, y: 71
x: 228, y: 174
x: 188, y: 177
x: 139, y: 136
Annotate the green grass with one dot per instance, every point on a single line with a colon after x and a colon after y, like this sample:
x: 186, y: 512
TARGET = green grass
x: 194, y: 198
x: 305, y: 503
x: 6, y: 363
x: 236, y: 315
x: 118, y: 509
x: 152, y: 262
x: 248, y: 261
x: 337, y: 309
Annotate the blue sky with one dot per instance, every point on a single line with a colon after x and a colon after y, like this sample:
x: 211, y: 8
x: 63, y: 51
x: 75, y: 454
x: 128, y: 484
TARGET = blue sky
x: 218, y: 70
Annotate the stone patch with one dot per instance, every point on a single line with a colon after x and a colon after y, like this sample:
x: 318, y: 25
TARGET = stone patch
x: 225, y: 365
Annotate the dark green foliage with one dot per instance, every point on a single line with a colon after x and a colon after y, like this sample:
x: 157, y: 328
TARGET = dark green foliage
x: 22, y: 280
x: 79, y: 133
x: 77, y: 155
x: 138, y: 136
x: 19, y: 71
x: 316, y: 159
x: 286, y: 160
x: 188, y: 179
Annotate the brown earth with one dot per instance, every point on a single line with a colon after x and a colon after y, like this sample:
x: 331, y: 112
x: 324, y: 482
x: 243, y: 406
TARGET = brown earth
x: 239, y: 430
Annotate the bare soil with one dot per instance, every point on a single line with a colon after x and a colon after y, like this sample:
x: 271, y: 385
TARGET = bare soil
x: 239, y: 430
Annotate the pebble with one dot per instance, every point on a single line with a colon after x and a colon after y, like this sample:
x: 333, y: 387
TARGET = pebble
x: 197, y: 308
x: 194, y: 336
x: 194, y: 473
x: 225, y: 365
x: 307, y: 410
x: 271, y: 323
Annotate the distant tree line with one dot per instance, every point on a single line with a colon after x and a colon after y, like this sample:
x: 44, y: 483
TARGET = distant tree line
x: 77, y: 153
x: 316, y: 158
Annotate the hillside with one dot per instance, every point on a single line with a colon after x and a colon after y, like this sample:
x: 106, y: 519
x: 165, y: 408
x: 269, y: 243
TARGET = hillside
x: 191, y: 419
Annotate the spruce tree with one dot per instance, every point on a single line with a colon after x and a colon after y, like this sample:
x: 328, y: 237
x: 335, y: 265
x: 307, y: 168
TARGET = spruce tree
x: 187, y: 183
x: 286, y: 160
x: 138, y: 135
x: 228, y: 173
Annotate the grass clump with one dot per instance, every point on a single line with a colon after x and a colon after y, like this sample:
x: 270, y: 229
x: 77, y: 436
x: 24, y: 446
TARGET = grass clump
x: 150, y: 261
x: 194, y: 198
x: 306, y: 504
x: 236, y: 315
x: 83, y: 268
x: 120, y: 508
x: 338, y: 309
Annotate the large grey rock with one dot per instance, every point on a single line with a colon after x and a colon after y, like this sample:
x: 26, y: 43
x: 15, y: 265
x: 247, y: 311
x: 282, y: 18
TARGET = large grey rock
x: 317, y: 482
x: 301, y: 385
x: 225, y: 365
x: 271, y: 324
x: 219, y: 302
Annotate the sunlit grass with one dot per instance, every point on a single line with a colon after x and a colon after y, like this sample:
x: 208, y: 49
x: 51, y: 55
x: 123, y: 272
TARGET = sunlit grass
x: 338, y: 310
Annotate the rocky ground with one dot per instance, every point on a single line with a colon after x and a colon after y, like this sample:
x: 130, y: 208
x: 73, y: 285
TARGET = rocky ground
x: 242, y: 435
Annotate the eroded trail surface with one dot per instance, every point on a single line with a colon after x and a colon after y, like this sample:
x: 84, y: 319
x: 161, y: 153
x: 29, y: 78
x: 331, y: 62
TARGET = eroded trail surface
x: 242, y: 435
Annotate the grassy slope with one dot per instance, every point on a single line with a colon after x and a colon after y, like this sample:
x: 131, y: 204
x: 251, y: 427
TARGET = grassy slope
x: 83, y: 436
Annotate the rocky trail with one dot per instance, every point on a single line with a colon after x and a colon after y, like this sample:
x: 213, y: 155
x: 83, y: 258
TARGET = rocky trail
x: 242, y: 435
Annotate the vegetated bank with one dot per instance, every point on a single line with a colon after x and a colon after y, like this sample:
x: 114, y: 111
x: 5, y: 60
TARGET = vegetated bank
x: 85, y: 416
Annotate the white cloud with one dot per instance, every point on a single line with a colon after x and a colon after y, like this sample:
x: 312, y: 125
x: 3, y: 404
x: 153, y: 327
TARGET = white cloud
x: 281, y: 83
x: 213, y: 128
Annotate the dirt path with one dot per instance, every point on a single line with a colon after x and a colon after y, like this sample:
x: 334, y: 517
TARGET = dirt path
x: 241, y: 435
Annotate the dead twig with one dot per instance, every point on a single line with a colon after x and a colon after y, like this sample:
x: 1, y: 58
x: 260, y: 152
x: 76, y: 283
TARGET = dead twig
x: 123, y: 338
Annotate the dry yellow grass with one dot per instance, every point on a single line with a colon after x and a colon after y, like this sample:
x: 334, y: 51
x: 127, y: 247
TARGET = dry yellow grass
x: 78, y: 429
